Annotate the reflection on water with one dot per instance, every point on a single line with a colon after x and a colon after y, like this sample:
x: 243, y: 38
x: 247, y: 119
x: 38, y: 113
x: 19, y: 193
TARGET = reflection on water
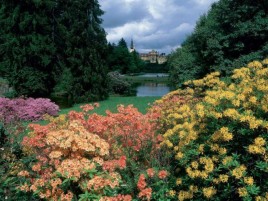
x: 152, y: 89
x: 154, y: 75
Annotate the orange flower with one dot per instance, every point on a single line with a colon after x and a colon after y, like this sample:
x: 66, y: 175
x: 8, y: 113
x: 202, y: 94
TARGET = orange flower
x: 150, y: 172
x: 162, y: 174
x: 141, y: 182
x: 146, y: 193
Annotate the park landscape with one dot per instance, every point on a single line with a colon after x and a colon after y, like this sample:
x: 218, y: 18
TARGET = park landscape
x: 204, y: 140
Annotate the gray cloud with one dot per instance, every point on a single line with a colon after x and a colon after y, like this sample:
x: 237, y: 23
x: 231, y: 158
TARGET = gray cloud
x: 161, y: 25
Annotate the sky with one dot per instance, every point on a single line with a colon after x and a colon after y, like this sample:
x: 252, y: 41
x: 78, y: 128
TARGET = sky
x: 161, y: 25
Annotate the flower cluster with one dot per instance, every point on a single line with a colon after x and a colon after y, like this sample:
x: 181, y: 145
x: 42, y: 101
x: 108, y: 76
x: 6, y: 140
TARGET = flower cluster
x: 217, y: 131
x: 29, y: 109
x: 70, y: 159
x: 147, y: 179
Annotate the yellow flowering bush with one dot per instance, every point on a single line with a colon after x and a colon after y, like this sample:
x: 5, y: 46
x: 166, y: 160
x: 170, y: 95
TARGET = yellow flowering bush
x: 217, y: 134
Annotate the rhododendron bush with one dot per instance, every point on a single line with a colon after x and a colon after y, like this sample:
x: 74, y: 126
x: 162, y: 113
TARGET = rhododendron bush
x: 217, y: 132
x: 29, y: 109
x: 94, y: 157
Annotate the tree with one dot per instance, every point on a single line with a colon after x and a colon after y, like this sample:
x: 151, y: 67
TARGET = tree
x: 27, y: 49
x: 84, y: 49
x: 230, y: 35
x: 45, y: 42
x: 120, y: 59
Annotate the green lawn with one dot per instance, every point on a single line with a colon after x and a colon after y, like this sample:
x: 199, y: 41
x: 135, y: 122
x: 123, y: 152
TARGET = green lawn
x: 142, y: 103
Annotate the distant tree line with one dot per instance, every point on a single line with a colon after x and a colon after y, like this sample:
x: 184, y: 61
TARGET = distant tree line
x: 230, y: 35
x: 122, y: 60
x: 53, y: 46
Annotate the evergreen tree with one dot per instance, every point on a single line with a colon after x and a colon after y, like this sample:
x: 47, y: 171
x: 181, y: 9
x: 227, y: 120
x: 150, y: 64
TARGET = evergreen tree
x: 27, y: 49
x: 43, y: 43
x: 84, y: 49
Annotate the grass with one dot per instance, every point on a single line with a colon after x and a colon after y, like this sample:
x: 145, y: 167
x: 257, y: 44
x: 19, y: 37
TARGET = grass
x: 142, y: 103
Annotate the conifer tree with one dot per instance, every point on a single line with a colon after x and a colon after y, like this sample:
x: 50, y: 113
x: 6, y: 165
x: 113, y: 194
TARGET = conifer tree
x: 43, y: 43
x: 27, y: 49
x: 83, y: 48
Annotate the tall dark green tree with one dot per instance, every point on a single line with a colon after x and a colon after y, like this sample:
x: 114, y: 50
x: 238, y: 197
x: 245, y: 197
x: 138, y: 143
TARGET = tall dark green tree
x: 27, y: 48
x: 83, y: 49
x: 43, y: 43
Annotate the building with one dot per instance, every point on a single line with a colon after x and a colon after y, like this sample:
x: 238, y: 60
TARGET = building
x: 154, y: 57
x: 151, y: 57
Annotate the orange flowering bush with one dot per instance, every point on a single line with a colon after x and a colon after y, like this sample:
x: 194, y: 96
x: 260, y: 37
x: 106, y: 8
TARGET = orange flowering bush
x: 71, y: 162
x: 98, y: 157
x: 154, y: 185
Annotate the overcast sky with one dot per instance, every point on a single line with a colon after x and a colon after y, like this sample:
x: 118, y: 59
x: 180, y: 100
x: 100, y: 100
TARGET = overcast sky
x: 161, y: 25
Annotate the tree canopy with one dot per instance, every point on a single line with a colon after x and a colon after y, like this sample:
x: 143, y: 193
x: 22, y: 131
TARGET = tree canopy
x: 45, y: 42
x: 230, y: 35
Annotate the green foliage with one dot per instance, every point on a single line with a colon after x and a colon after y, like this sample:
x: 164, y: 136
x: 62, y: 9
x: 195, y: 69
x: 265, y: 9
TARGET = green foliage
x: 118, y: 85
x: 45, y: 45
x: 26, y: 46
x: 120, y: 59
x: 232, y: 34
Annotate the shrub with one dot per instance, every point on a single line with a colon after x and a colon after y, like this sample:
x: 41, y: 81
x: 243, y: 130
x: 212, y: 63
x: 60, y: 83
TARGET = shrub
x: 217, y: 133
x: 96, y: 157
x: 119, y: 86
x: 26, y: 109
x: 70, y: 163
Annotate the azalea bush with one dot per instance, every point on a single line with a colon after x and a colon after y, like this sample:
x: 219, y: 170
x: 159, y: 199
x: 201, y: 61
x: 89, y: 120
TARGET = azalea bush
x: 87, y: 156
x: 29, y: 109
x: 217, y: 132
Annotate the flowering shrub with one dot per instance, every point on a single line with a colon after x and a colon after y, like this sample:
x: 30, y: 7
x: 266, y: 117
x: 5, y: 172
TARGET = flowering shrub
x: 26, y: 109
x: 70, y: 163
x: 96, y: 157
x: 217, y: 132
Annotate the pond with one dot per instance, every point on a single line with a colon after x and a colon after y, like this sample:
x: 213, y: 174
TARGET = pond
x: 153, y: 75
x: 152, y: 89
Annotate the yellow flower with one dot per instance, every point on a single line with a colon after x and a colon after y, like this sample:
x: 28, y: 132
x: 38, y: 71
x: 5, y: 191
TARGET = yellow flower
x: 209, y: 192
x: 179, y: 181
x: 249, y: 180
x: 194, y: 164
x: 193, y: 188
x: 255, y: 64
x: 172, y: 193
x: 253, y: 149
x: 259, y: 141
x: 223, y: 178
x: 239, y: 171
x: 179, y: 155
x: 242, y: 192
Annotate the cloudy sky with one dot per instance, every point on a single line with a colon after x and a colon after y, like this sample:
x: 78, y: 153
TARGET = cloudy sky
x: 161, y: 25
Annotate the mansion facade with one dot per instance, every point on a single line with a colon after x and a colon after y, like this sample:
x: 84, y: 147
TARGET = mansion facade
x: 154, y: 57
x: 151, y: 57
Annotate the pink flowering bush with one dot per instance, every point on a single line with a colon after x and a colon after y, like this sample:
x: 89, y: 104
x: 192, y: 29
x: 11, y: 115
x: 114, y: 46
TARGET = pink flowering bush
x: 26, y: 109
